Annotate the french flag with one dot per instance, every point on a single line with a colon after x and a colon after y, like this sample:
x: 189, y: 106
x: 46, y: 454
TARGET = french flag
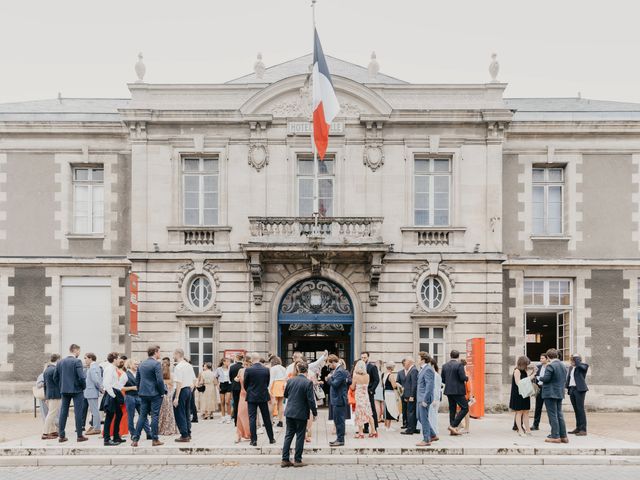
x: 325, y: 102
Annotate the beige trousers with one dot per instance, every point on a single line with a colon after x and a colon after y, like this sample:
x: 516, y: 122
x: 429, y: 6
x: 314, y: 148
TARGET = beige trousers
x: 51, y: 422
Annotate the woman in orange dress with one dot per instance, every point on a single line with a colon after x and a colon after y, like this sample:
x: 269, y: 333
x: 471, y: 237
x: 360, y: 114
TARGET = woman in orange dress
x: 242, y: 425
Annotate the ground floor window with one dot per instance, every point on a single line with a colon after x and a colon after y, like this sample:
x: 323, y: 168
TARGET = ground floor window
x: 200, y: 346
x: 432, y: 342
x: 86, y: 315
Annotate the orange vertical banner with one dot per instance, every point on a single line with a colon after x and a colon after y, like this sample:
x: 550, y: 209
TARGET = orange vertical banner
x: 133, y: 304
x: 475, y: 372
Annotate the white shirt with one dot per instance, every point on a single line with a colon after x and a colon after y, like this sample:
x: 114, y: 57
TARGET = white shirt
x: 277, y: 372
x: 222, y: 375
x: 572, y: 378
x: 541, y: 373
x: 184, y: 374
x: 314, y: 367
x: 110, y: 380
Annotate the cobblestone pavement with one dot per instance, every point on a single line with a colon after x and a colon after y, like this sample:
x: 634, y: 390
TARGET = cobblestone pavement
x: 364, y: 472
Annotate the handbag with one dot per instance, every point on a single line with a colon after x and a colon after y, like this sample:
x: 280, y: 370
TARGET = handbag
x: 317, y: 389
x: 38, y: 393
x: 525, y: 387
x: 201, y: 388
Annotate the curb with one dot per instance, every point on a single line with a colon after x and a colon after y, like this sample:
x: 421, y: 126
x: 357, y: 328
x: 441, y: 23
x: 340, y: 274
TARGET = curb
x: 236, y: 460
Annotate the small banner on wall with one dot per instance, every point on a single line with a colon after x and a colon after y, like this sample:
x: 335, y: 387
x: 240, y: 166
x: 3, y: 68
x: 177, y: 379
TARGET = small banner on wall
x: 475, y: 372
x: 133, y: 304
x: 231, y: 354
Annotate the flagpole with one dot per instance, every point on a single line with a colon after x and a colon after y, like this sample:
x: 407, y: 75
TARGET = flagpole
x: 316, y: 186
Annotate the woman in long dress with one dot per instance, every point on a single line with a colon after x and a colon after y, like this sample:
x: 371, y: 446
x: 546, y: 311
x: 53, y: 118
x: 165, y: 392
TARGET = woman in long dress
x: 207, y: 398
x: 167, y: 421
x: 437, y: 395
x: 242, y: 424
x: 363, y: 414
x: 391, y: 412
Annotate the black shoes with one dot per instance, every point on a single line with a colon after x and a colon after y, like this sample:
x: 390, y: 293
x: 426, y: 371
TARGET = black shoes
x: 253, y: 444
x: 272, y: 441
x: 111, y: 443
x: 336, y: 444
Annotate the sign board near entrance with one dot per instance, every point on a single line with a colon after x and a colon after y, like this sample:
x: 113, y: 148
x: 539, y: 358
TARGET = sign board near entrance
x: 133, y: 304
x: 232, y: 353
x: 305, y: 128
x: 475, y: 372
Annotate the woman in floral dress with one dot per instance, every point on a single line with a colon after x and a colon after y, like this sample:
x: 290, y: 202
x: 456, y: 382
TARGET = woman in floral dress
x: 167, y: 421
x: 363, y: 414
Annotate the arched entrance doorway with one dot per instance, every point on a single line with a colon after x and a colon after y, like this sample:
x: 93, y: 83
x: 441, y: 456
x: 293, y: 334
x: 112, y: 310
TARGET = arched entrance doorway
x: 315, y: 315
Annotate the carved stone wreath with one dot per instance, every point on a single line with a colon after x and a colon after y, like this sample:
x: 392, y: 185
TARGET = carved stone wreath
x: 444, y: 273
x: 373, y: 157
x: 258, y: 156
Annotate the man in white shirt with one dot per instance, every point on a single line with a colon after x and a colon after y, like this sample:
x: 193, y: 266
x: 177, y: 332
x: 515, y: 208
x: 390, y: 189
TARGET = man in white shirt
x: 314, y: 367
x: 184, y: 379
x: 112, y: 385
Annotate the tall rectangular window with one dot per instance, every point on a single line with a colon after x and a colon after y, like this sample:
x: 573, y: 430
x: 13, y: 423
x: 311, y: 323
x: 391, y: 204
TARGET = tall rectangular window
x: 200, y: 191
x: 432, y: 342
x: 548, y: 185
x: 200, y: 347
x: 432, y: 185
x: 88, y: 200
x: 325, y: 186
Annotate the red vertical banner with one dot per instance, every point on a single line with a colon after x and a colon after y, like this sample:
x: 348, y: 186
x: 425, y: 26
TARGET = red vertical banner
x: 475, y: 372
x: 133, y: 304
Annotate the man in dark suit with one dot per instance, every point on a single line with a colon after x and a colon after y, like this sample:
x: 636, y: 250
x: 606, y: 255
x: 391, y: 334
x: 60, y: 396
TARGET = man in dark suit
x: 577, y: 388
x: 300, y: 400
x: 151, y: 390
x: 374, y: 380
x: 256, y: 383
x: 537, y: 413
x: 339, y: 382
x: 454, y: 378
x: 410, y: 395
x: 402, y: 376
x: 69, y: 375
x: 553, y: 384
x: 235, y: 385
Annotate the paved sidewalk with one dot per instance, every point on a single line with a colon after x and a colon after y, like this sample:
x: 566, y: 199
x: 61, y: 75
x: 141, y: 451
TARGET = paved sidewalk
x: 610, y: 434
x: 361, y: 472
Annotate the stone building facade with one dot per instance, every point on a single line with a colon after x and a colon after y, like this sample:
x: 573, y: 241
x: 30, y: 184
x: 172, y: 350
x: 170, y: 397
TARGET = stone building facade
x: 448, y: 212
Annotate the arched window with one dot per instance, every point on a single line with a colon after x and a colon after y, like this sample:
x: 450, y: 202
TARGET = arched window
x: 432, y: 293
x: 200, y: 292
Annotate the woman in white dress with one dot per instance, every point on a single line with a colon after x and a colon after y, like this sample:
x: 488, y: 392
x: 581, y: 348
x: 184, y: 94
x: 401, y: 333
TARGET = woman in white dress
x: 390, y: 384
x: 437, y: 395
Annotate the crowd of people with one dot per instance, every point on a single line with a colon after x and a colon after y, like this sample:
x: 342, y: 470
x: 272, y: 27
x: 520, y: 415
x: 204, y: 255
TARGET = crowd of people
x: 166, y: 396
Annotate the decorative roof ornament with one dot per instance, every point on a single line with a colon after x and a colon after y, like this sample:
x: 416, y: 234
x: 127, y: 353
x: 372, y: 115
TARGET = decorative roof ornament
x: 374, y: 67
x: 494, y: 68
x: 140, y: 69
x: 259, y: 67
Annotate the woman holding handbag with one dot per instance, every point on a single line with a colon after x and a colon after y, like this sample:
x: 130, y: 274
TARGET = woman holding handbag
x: 518, y: 402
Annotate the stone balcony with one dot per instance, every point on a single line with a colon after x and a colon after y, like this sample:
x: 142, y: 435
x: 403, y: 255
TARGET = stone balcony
x: 433, y: 238
x: 303, y: 230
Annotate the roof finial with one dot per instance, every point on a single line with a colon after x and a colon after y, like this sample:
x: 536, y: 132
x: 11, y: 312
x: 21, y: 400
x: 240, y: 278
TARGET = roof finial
x: 374, y: 67
x: 579, y: 95
x: 494, y: 68
x: 140, y: 69
x: 259, y: 67
x: 59, y: 97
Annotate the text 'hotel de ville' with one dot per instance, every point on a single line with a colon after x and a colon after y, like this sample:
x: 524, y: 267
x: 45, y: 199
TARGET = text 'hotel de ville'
x: 183, y: 216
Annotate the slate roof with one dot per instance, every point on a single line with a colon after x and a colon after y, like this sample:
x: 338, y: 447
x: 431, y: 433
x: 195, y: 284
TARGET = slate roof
x: 570, y: 109
x: 300, y: 66
x: 65, y: 109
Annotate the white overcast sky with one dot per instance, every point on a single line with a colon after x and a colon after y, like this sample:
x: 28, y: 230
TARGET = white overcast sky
x: 86, y: 48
